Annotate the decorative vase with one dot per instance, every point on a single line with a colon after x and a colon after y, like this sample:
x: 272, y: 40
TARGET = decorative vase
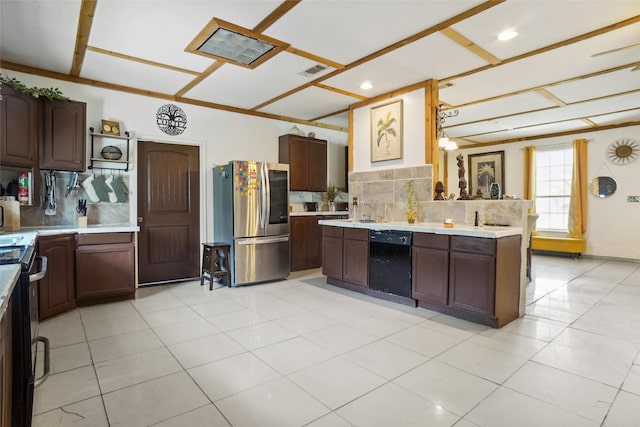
x: 332, y: 206
x: 494, y: 191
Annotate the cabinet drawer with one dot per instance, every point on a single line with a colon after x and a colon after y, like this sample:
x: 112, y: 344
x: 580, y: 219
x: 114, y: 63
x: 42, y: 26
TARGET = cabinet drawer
x: 104, y: 238
x: 332, y: 231
x: 356, y: 234
x: 476, y: 245
x: 429, y: 240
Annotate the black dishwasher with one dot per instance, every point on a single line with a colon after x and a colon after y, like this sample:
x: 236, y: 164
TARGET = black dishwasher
x: 390, y: 262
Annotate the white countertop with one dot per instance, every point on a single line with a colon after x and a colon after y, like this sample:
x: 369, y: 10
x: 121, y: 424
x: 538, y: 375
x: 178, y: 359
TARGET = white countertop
x: 66, y: 229
x: 491, y: 232
x: 8, y: 277
x: 316, y: 213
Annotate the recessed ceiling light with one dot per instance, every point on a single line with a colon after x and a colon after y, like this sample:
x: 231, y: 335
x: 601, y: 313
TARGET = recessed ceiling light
x: 508, y: 34
x: 366, y: 85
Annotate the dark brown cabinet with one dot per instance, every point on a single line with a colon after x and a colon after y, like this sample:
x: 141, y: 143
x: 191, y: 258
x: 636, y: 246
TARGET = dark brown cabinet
x: 307, y: 159
x: 430, y: 267
x: 63, y: 142
x: 105, y: 266
x: 332, y: 252
x: 345, y: 256
x: 6, y: 365
x: 56, y: 291
x: 469, y: 277
x: 306, y: 242
x: 19, y: 130
x: 355, y: 268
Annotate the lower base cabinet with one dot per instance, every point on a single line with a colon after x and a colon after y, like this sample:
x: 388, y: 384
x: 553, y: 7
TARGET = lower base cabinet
x: 56, y: 291
x: 345, y: 256
x: 6, y: 366
x: 469, y: 277
x: 105, y: 266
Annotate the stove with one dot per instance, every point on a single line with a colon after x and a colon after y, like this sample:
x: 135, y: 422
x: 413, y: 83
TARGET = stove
x: 16, y: 255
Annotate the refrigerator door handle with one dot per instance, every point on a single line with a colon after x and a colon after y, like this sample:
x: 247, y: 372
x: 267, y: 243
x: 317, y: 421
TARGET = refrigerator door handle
x: 264, y: 203
x: 263, y: 241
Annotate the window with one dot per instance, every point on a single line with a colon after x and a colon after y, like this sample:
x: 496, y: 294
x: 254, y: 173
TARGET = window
x: 554, y: 169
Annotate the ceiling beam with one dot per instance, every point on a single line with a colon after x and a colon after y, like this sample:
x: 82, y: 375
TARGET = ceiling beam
x: 343, y: 92
x: 111, y: 86
x: 470, y: 46
x: 277, y: 13
x: 315, y: 58
x: 85, y: 21
x: 552, y: 135
x: 141, y: 61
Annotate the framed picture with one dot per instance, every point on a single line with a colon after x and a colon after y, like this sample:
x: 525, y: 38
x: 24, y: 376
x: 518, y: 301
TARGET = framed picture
x: 484, y: 170
x: 109, y: 126
x: 386, y: 131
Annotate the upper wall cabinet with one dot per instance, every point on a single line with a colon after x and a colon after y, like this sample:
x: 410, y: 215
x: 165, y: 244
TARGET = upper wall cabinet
x: 63, y: 142
x: 307, y: 159
x: 18, y: 129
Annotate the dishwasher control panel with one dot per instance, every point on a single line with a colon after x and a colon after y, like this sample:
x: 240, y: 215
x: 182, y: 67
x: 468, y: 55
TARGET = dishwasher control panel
x: 392, y: 237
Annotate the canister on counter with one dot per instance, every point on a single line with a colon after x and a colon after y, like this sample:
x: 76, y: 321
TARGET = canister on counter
x: 23, y: 188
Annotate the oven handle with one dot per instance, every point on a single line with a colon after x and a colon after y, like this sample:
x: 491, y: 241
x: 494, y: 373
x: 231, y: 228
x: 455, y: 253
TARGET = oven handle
x: 40, y: 275
x: 47, y: 361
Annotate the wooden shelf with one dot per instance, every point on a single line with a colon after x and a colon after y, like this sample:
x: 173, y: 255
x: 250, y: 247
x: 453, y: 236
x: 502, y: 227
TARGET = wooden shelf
x: 93, y: 159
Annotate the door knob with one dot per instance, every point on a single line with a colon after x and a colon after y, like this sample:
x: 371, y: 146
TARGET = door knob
x: 140, y: 219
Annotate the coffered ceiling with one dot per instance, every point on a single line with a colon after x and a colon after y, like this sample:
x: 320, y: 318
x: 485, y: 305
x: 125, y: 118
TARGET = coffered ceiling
x: 574, y: 65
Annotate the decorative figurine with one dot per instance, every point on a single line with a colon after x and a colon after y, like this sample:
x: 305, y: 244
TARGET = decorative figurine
x: 462, y: 182
x: 439, y: 190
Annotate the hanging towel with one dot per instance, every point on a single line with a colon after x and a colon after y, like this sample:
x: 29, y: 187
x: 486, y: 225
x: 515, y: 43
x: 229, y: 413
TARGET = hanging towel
x: 101, y: 188
x: 87, y: 184
x: 120, y: 189
x: 112, y: 195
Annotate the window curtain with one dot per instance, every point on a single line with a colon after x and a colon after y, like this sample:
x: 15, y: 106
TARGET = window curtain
x: 529, y: 192
x: 578, y: 207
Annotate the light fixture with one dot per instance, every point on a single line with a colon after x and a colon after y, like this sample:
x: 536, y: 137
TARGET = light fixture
x: 231, y: 43
x: 443, y: 140
x: 366, y: 85
x: 508, y: 35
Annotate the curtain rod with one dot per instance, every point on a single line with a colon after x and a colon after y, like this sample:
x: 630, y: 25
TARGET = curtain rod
x: 558, y: 144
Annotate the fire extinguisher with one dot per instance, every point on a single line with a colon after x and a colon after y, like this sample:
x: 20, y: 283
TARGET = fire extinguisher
x: 23, y: 188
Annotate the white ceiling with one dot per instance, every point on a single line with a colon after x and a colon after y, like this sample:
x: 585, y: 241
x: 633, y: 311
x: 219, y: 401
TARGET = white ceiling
x: 543, y: 82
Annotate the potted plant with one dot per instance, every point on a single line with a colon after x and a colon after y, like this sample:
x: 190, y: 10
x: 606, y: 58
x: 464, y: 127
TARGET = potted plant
x: 332, y: 193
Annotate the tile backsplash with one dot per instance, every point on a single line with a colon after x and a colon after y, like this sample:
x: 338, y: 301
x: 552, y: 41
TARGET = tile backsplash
x: 103, y: 212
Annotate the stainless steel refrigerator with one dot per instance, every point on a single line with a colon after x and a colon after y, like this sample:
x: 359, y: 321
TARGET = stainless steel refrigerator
x: 251, y: 214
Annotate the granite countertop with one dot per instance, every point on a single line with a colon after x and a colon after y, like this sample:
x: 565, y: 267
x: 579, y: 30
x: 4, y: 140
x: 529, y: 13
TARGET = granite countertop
x: 316, y: 213
x: 8, y: 277
x: 492, y: 232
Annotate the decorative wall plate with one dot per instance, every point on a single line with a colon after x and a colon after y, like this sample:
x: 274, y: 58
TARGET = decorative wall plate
x: 171, y: 119
x: 623, y: 151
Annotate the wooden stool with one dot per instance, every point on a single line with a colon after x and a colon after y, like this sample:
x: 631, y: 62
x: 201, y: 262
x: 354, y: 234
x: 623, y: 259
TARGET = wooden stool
x: 215, y: 263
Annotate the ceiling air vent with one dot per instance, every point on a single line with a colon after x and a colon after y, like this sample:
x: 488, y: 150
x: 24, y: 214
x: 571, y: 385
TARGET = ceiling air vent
x: 313, y: 70
x: 445, y: 85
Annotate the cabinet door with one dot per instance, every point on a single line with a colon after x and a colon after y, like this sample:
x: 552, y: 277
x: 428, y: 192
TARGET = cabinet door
x: 472, y: 282
x: 6, y: 366
x: 63, y: 145
x: 56, y: 291
x: 299, y: 239
x: 332, y: 256
x: 355, y: 268
x: 19, y: 130
x: 104, y: 271
x: 430, y: 275
x: 298, y: 165
x: 314, y: 242
x: 317, y: 165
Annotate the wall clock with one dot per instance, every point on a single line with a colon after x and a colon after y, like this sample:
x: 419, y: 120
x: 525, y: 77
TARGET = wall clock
x: 623, y: 151
x: 171, y: 119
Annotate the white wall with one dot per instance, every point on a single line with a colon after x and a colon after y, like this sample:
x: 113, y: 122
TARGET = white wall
x: 221, y: 135
x: 412, y: 134
x: 613, y: 224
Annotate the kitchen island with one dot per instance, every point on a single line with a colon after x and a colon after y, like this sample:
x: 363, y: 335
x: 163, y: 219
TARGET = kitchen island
x: 465, y: 271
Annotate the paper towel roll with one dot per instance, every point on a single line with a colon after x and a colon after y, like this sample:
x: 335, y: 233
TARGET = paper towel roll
x: 11, y: 215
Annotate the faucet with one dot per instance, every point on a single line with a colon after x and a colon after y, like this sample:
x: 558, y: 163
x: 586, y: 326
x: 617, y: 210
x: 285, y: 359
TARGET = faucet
x: 372, y: 212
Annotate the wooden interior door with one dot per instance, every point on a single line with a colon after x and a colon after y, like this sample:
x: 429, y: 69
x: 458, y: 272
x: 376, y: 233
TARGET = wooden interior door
x: 168, y: 212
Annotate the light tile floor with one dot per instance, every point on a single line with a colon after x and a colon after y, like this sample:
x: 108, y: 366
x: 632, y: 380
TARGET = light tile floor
x: 301, y: 353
